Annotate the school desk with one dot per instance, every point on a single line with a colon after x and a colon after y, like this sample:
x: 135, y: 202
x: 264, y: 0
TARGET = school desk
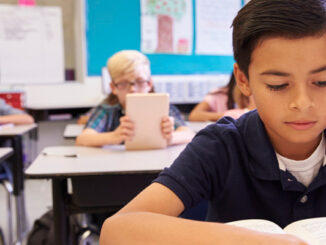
x: 5, y: 152
x: 61, y: 163
x: 73, y: 130
x: 15, y: 136
x: 197, y: 126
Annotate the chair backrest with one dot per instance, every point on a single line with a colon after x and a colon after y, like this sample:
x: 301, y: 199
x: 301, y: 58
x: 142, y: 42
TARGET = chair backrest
x: 106, y: 79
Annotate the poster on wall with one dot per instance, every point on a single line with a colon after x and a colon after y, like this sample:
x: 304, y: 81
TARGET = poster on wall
x: 167, y: 26
x: 213, y: 26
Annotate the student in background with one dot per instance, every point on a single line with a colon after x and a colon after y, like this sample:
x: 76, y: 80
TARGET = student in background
x: 130, y: 73
x: 244, y: 104
x: 269, y: 164
x: 8, y: 114
x: 226, y: 101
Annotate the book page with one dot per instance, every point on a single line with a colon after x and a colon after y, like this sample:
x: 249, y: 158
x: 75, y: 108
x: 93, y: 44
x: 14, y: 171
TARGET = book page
x: 311, y: 230
x: 258, y: 225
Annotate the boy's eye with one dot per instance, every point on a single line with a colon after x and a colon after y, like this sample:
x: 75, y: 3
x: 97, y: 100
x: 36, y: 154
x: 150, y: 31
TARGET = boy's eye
x: 320, y: 83
x: 276, y: 87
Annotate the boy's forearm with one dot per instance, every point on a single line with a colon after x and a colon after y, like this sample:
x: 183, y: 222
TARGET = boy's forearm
x: 149, y: 228
x: 17, y: 119
x: 99, y: 139
x: 205, y: 116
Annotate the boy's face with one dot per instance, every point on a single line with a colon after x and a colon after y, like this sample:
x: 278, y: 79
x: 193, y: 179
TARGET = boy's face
x: 288, y: 83
x: 137, y: 82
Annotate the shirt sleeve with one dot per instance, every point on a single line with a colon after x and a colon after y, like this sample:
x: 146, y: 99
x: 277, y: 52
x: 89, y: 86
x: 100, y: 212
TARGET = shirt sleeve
x: 197, y: 174
x: 98, y: 119
x: 6, y: 109
x: 178, y: 118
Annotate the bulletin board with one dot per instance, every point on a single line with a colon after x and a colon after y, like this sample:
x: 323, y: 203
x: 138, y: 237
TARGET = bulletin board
x: 115, y: 25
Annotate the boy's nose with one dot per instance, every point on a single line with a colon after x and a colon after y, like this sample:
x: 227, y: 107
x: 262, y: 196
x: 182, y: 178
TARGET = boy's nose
x: 301, y: 101
x: 132, y: 87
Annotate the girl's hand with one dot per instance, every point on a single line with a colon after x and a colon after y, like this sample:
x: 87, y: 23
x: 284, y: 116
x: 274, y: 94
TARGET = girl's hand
x: 124, y: 132
x: 167, y: 127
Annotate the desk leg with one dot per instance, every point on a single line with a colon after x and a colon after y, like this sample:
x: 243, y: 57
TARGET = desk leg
x: 18, y: 190
x: 61, y: 216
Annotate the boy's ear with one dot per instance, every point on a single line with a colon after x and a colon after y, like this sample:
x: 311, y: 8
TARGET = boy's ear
x: 242, y: 80
x: 150, y: 84
x: 113, y: 88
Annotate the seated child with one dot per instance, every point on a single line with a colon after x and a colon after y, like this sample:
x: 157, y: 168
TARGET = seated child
x: 270, y: 163
x: 130, y: 73
x: 226, y: 101
x: 8, y: 114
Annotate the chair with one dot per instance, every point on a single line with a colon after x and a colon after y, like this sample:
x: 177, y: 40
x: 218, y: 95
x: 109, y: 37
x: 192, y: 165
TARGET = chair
x: 106, y: 79
x: 4, y: 180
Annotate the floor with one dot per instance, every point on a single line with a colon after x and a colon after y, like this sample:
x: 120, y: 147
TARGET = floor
x: 38, y: 194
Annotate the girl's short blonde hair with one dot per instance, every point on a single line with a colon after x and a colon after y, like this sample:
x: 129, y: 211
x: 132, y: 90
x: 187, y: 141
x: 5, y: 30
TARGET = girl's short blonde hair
x: 127, y: 61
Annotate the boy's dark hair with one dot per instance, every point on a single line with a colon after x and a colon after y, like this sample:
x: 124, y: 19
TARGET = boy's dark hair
x: 260, y: 19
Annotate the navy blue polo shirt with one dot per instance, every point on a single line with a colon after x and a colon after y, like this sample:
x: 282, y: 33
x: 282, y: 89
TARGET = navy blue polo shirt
x: 234, y: 166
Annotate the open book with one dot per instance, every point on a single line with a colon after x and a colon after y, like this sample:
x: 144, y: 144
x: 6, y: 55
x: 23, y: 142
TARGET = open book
x: 311, y: 230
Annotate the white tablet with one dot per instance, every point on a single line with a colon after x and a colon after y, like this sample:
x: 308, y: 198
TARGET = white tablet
x: 147, y: 111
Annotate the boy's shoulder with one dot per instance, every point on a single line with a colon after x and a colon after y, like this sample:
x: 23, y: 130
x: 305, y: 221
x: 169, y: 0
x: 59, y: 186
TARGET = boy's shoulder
x: 247, y: 131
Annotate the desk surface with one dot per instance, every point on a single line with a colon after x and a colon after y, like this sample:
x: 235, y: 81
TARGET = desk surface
x: 91, y: 161
x: 73, y: 130
x: 5, y: 152
x: 196, y: 126
x: 53, y: 106
x: 17, y: 130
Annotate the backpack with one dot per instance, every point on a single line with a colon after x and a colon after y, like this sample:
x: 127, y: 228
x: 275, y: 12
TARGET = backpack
x: 42, y: 232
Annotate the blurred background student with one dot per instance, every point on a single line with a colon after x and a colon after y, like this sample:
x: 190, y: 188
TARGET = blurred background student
x: 11, y: 115
x: 8, y: 114
x: 225, y: 101
x: 108, y: 124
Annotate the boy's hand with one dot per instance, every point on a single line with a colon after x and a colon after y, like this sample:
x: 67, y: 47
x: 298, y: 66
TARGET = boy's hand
x: 124, y: 132
x: 167, y: 127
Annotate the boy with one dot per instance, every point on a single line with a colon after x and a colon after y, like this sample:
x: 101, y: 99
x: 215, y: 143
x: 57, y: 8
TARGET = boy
x: 270, y: 163
x: 108, y: 125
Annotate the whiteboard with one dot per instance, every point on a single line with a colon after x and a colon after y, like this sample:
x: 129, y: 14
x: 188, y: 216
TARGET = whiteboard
x: 31, y: 45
